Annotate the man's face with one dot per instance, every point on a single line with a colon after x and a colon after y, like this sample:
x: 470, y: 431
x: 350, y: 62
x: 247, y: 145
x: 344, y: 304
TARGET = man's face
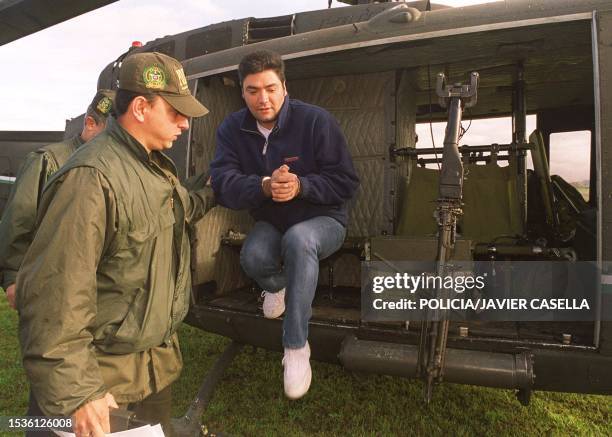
x: 264, y: 94
x: 163, y: 124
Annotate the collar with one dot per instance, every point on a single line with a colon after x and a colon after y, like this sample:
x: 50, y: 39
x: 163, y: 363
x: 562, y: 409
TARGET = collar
x: 116, y: 131
x: 76, y: 141
x: 250, y: 124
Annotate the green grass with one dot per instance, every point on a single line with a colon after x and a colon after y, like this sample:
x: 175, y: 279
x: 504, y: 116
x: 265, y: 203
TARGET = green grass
x: 250, y: 400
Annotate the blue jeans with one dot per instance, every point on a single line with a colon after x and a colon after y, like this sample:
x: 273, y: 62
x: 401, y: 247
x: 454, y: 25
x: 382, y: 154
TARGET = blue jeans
x: 291, y: 261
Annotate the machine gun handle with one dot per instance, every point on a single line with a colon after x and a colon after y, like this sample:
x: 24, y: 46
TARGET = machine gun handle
x: 472, y: 90
x: 467, y: 93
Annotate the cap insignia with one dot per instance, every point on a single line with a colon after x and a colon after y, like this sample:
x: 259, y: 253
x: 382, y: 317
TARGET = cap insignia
x: 154, y: 77
x: 104, y: 105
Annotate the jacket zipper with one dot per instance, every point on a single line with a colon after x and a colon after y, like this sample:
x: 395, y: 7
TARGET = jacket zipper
x: 170, y: 181
x: 259, y: 134
x: 265, y: 147
x: 173, y: 189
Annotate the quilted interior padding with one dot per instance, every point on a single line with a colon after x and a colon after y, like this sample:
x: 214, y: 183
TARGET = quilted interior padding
x: 364, y: 107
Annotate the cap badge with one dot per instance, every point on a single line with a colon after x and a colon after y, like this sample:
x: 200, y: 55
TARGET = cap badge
x: 104, y: 105
x: 154, y: 77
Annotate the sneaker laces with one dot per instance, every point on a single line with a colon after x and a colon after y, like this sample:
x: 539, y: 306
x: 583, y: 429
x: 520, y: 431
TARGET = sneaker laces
x: 274, y: 295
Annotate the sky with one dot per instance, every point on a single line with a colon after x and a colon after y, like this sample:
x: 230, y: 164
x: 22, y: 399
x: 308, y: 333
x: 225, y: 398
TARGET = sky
x: 51, y: 75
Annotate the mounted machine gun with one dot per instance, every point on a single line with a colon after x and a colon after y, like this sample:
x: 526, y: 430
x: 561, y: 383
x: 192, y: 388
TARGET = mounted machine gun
x: 434, y: 331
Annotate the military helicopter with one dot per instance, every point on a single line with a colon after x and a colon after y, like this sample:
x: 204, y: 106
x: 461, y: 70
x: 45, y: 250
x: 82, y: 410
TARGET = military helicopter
x: 371, y: 66
x: 375, y: 67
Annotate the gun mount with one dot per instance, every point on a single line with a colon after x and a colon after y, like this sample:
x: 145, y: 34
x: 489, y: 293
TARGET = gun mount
x: 434, y: 331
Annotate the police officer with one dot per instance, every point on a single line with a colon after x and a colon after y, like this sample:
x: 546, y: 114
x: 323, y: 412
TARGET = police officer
x: 106, y: 281
x: 19, y: 219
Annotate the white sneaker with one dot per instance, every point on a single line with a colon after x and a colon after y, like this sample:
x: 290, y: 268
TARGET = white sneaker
x: 274, y: 304
x: 298, y: 374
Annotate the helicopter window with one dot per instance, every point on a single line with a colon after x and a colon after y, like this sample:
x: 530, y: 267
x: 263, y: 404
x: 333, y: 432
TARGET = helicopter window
x: 570, y: 158
x: 477, y: 132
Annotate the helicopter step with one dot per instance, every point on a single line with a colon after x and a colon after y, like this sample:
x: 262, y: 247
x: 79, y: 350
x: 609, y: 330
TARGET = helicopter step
x: 483, y: 368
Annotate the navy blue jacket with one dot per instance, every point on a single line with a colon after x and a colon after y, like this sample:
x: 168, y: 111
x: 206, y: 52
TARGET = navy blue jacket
x: 306, y: 138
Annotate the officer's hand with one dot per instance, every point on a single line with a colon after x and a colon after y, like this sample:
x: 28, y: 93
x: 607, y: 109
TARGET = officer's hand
x: 92, y: 419
x: 10, y: 295
x: 284, y: 184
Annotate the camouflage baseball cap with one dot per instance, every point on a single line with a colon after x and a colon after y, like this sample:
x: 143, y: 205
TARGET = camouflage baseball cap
x: 156, y: 73
x: 102, y: 103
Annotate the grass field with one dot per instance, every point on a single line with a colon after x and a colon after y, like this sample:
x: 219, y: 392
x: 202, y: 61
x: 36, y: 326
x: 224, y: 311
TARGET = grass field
x: 250, y: 399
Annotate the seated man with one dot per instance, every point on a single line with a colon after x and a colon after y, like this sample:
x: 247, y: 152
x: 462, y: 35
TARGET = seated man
x: 287, y: 163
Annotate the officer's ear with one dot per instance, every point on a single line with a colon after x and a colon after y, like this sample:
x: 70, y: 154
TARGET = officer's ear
x: 90, y: 128
x: 139, y: 107
x: 90, y: 123
x: 284, y: 87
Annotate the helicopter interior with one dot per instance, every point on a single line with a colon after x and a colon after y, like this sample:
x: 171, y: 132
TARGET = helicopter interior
x: 378, y: 95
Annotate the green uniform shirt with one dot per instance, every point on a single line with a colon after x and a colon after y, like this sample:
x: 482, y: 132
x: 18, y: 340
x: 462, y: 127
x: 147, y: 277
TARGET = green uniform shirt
x: 19, y: 218
x: 107, y: 279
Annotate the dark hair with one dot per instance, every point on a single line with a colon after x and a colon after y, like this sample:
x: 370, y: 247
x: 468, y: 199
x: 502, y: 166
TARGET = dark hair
x: 259, y: 61
x: 97, y: 117
x: 125, y: 97
x: 91, y: 112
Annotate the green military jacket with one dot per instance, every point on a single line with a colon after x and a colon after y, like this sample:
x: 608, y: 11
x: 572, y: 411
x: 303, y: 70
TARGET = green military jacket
x: 19, y: 218
x: 107, y: 279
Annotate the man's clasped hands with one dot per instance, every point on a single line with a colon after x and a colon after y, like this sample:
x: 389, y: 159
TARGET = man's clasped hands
x: 282, y: 186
